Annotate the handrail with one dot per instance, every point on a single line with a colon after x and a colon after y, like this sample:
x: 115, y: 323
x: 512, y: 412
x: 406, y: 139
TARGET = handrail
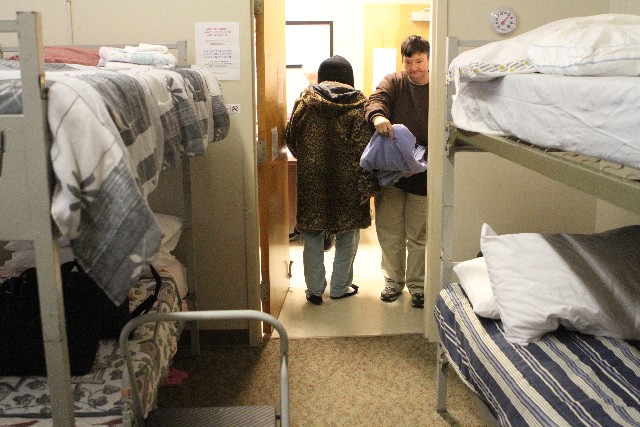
x: 130, y: 387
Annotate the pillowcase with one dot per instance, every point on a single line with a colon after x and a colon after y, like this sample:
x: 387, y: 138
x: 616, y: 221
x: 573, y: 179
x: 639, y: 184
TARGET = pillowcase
x: 474, y: 279
x: 589, y: 283
x: 172, y: 229
x: 501, y: 58
x: 601, y: 45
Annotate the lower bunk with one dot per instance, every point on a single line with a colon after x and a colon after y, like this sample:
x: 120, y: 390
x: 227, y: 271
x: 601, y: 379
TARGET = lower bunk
x: 563, y: 379
x: 98, y: 395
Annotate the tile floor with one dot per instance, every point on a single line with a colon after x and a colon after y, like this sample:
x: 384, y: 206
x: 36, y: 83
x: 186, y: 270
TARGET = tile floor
x: 361, y: 315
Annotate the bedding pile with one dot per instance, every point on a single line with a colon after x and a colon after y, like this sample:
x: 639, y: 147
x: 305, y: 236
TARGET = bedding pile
x: 143, y: 54
x: 568, y: 85
x: 112, y: 134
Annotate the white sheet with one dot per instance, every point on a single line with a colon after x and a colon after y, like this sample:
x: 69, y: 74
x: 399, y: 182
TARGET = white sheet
x: 593, y: 116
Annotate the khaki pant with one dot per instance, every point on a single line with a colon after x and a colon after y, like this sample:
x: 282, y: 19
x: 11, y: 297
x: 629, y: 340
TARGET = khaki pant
x: 401, y: 225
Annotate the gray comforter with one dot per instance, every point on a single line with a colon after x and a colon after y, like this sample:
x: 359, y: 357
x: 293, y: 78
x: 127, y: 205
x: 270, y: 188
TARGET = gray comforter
x: 112, y: 134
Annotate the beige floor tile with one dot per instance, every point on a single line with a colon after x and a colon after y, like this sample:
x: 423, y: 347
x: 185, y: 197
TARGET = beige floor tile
x: 361, y: 315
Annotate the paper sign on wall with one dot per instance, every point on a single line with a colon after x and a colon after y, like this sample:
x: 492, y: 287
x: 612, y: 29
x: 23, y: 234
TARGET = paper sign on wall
x: 218, y: 48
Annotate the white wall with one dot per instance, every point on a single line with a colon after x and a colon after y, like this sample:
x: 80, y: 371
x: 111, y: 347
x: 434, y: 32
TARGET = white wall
x: 625, y: 6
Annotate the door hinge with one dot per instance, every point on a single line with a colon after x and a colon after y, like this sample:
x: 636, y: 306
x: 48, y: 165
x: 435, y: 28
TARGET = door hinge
x: 261, y: 151
x: 258, y: 7
x: 264, y: 290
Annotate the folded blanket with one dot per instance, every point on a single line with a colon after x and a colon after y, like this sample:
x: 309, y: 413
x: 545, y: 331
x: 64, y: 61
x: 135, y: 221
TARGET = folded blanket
x: 143, y: 47
x: 393, y: 157
x: 112, y: 54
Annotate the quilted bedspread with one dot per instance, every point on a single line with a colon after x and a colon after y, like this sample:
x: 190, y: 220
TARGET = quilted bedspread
x: 113, y: 131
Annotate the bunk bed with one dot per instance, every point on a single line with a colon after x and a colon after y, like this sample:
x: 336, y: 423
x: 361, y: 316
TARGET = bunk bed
x: 565, y: 375
x: 80, y: 150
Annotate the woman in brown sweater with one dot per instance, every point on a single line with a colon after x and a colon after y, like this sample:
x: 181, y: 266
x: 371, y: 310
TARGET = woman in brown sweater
x: 401, y: 208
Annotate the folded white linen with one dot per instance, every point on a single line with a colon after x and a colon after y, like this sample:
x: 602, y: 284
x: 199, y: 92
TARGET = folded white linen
x: 144, y: 47
x: 112, y: 54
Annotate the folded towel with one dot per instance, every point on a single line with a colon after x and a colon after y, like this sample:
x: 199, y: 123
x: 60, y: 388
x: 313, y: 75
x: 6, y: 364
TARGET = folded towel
x: 112, y: 54
x: 393, y: 157
x: 143, y: 47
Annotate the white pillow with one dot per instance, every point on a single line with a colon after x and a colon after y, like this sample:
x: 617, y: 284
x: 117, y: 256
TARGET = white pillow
x: 171, y: 228
x: 474, y: 279
x: 587, y: 282
x: 501, y: 58
x: 602, y: 45
x: 24, y: 245
x: 21, y: 260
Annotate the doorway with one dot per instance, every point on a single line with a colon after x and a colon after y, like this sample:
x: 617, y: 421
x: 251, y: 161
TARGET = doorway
x: 364, y: 314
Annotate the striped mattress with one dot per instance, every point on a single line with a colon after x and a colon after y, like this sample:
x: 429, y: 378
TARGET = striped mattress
x: 564, y: 379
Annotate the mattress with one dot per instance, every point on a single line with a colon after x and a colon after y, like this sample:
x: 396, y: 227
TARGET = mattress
x: 98, y: 395
x: 592, y: 116
x: 564, y: 379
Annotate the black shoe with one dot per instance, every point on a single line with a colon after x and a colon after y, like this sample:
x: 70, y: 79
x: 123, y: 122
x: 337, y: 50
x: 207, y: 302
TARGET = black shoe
x: 417, y: 300
x: 315, y: 299
x: 348, y: 294
x: 295, y: 234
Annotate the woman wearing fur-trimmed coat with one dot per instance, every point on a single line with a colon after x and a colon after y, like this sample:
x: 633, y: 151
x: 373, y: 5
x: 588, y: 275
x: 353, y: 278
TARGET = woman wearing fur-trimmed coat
x: 327, y: 134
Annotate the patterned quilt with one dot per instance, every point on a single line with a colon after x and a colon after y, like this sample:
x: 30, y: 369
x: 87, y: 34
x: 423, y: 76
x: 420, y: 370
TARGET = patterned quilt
x: 25, y: 401
x: 113, y: 131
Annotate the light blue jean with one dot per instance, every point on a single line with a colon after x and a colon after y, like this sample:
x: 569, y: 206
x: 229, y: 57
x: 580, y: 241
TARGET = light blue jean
x: 313, y: 261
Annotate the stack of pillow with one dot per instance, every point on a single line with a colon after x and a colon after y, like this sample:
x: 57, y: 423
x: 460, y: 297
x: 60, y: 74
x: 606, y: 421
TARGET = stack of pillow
x: 534, y: 283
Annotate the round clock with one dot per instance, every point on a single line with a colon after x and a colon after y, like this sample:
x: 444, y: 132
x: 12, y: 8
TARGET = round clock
x: 503, y: 20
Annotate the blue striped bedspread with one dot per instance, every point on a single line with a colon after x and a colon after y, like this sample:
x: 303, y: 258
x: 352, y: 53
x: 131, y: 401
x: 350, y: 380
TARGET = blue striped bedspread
x: 564, y: 379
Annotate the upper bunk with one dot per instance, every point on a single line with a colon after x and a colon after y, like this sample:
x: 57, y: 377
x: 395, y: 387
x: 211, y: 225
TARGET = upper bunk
x: 559, y: 107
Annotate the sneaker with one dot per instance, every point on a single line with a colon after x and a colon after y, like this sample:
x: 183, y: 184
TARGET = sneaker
x: 417, y: 300
x: 315, y: 299
x: 389, y: 294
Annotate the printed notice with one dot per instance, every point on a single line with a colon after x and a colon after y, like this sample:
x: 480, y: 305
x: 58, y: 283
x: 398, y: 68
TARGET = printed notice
x: 218, y: 48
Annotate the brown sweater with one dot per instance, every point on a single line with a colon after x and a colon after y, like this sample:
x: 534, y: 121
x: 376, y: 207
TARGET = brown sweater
x: 403, y: 102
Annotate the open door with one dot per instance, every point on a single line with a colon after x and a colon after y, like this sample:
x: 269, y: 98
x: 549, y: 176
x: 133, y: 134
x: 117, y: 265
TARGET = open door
x: 272, y: 154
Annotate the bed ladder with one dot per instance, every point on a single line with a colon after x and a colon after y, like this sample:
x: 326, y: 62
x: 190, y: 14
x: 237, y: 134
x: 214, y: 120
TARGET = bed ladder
x: 25, y: 164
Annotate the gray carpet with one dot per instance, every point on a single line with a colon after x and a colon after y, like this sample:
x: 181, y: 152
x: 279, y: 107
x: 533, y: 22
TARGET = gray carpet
x: 344, y: 381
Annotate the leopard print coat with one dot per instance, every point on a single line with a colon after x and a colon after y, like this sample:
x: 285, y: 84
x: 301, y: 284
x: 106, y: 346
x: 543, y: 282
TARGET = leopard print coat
x: 327, y: 134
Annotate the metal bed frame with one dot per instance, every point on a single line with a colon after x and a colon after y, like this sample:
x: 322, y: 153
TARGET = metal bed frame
x: 616, y: 184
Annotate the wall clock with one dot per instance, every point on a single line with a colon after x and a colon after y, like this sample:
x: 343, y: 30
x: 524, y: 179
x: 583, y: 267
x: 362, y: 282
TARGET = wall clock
x: 503, y: 20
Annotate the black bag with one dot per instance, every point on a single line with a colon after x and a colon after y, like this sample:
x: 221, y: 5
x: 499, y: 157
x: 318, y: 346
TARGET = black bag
x: 21, y: 342
x: 90, y: 316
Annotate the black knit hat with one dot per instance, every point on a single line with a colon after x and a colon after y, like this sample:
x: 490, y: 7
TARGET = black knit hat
x: 336, y: 69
